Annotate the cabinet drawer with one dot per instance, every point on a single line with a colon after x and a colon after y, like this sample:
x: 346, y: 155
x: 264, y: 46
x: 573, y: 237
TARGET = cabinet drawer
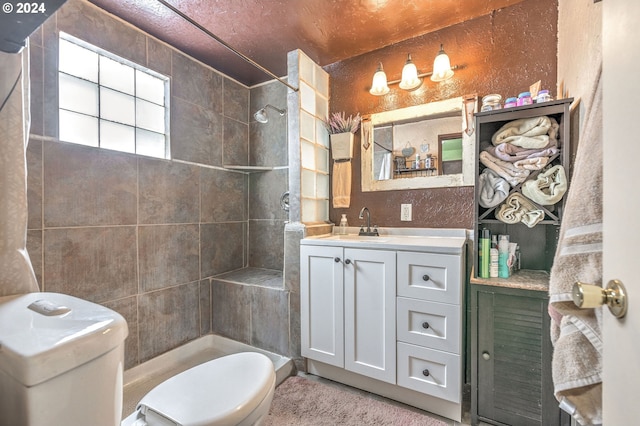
x: 431, y: 324
x: 429, y: 276
x: 429, y: 371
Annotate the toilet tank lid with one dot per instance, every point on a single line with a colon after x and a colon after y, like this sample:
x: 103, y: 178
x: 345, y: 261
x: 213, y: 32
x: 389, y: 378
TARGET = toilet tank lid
x: 43, y: 335
x: 223, y: 391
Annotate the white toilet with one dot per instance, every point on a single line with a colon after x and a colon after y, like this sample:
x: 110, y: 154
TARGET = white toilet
x: 61, y: 363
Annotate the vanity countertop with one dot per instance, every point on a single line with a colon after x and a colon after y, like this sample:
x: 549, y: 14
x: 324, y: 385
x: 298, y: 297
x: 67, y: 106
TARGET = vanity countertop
x: 444, y: 241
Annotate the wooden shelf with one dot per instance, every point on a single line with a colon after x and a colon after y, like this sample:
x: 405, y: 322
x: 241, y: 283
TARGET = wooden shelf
x: 525, y: 279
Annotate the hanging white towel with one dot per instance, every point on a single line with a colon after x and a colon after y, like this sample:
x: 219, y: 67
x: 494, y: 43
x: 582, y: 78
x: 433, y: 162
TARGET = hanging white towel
x: 341, y: 184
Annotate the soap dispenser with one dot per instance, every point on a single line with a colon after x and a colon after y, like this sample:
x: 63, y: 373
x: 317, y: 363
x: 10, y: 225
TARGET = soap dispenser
x: 342, y: 229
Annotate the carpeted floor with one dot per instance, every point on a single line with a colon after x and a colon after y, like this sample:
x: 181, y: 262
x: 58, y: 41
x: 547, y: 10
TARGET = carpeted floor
x: 299, y: 401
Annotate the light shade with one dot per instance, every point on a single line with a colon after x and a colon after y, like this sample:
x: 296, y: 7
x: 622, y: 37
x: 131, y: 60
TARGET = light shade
x: 379, y: 85
x: 410, y: 80
x: 441, y: 67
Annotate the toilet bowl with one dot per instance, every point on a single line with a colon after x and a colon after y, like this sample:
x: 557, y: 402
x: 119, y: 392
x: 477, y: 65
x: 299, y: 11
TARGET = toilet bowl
x: 61, y: 363
x: 233, y: 390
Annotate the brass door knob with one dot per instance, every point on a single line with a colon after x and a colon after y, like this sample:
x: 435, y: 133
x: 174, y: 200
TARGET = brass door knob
x: 587, y: 296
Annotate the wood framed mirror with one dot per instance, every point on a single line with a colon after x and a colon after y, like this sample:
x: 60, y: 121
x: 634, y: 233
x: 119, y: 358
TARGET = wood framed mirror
x: 423, y: 146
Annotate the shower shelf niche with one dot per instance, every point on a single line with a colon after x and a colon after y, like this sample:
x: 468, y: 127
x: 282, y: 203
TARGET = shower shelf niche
x: 252, y: 169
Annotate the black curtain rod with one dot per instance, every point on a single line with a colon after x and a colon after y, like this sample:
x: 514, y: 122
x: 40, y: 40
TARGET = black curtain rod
x: 225, y: 44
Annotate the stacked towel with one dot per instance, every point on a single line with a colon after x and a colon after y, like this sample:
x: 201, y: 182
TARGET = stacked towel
x: 517, y: 208
x: 508, y: 171
x: 576, y: 333
x: 548, y: 188
x: 526, y: 132
x: 513, y: 153
x: 532, y: 163
x: 492, y: 189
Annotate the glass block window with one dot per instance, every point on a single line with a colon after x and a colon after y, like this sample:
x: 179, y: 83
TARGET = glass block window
x: 108, y: 102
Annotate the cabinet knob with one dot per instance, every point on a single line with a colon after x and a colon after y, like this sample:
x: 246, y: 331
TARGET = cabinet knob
x: 426, y: 277
x: 347, y: 261
x: 336, y: 259
x: 486, y: 356
x: 425, y: 372
x: 425, y: 325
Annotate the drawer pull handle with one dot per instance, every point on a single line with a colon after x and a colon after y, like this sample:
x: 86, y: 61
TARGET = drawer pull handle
x: 426, y: 277
x: 425, y: 372
x: 336, y: 259
x: 425, y: 325
x: 486, y: 356
x: 347, y: 261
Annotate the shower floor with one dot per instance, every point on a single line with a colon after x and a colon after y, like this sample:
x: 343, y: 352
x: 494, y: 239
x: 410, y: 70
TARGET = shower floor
x: 141, y: 379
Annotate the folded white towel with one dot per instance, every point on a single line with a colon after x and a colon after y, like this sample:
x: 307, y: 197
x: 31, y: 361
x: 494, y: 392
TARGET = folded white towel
x: 532, y: 163
x: 506, y: 170
x: 527, y: 127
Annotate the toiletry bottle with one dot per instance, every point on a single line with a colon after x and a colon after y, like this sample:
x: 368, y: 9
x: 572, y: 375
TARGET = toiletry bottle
x: 485, y: 240
x: 493, y: 263
x: 503, y: 256
x: 342, y: 230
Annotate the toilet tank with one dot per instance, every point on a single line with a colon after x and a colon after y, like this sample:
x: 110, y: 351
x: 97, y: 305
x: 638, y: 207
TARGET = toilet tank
x: 61, y: 361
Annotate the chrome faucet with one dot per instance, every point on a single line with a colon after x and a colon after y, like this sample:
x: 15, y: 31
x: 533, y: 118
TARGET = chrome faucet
x: 368, y: 231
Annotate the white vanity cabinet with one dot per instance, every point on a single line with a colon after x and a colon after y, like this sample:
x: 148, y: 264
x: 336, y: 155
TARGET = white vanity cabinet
x: 385, y: 315
x: 348, y: 309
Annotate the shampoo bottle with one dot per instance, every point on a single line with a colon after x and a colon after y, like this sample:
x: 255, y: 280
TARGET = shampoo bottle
x: 485, y: 241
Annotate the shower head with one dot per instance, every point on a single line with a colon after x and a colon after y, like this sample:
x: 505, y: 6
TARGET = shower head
x: 261, y: 114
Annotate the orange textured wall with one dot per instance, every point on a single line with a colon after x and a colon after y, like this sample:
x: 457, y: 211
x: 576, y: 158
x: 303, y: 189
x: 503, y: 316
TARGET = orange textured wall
x: 502, y: 53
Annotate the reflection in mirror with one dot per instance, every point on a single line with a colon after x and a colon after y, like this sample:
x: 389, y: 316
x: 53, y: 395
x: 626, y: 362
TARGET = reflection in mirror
x: 424, y: 146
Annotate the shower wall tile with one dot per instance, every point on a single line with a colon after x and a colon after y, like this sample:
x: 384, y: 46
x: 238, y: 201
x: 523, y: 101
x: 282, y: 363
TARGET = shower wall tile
x: 270, y: 319
x: 196, y: 83
x: 292, y: 236
x: 96, y: 264
x: 167, y: 319
x: 223, y: 196
x: 221, y: 248
x: 294, y: 325
x: 265, y: 191
x: 205, y: 307
x: 236, y: 101
x: 268, y: 142
x: 158, y: 56
x: 274, y: 93
x: 34, y: 184
x: 168, y: 255
x: 236, y: 143
x: 36, y: 87
x: 34, y: 248
x: 168, y: 192
x: 196, y: 133
x: 266, y: 244
x: 231, y: 310
x: 88, y: 186
x: 128, y: 308
x: 50, y: 90
x: 102, y: 30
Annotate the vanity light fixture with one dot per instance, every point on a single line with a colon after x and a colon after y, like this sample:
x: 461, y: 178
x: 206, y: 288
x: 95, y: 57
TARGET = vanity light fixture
x: 379, y: 85
x: 411, y: 80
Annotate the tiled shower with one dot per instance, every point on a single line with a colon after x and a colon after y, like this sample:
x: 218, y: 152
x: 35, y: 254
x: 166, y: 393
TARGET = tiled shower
x: 146, y: 236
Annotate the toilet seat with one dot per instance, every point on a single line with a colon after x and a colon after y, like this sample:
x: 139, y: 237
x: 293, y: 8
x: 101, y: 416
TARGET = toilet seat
x: 223, y: 391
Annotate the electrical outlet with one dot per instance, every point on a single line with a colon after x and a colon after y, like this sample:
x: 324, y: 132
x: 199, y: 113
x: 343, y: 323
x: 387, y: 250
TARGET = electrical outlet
x: 405, y: 212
